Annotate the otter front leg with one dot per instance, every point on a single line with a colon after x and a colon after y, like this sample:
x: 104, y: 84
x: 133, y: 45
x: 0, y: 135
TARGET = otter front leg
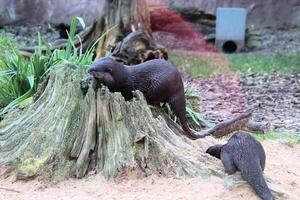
x: 95, y: 84
x: 228, y: 163
x: 128, y: 95
x: 84, y: 84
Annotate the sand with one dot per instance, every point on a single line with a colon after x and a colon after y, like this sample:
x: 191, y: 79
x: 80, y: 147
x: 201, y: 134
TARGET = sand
x: 283, y: 165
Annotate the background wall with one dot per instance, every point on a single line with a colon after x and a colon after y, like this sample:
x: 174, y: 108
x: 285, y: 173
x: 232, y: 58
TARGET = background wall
x: 275, y: 13
x: 40, y: 11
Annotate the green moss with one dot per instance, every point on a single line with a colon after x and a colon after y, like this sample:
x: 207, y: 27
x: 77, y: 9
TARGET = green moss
x: 141, y: 148
x: 63, y: 171
x: 32, y: 166
x: 73, y: 127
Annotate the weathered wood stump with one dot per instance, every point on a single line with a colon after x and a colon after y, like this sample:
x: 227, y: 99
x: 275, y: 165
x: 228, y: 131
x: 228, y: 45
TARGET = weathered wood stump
x: 64, y: 133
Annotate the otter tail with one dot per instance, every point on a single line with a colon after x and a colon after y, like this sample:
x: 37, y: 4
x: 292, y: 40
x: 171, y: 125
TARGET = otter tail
x: 256, y: 179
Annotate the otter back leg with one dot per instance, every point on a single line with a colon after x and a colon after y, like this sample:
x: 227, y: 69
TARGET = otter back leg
x: 254, y: 176
x: 177, y: 104
x: 262, y: 159
x: 262, y: 163
x: 228, y: 163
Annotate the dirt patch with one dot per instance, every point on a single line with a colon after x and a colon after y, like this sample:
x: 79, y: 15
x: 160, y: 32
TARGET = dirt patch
x: 221, y: 97
x: 284, y: 173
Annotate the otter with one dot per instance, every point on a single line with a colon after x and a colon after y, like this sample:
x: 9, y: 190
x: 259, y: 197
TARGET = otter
x: 157, y: 79
x: 64, y: 29
x: 244, y: 153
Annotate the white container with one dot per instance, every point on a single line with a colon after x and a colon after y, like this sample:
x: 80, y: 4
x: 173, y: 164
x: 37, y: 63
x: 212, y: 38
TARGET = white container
x: 230, y: 29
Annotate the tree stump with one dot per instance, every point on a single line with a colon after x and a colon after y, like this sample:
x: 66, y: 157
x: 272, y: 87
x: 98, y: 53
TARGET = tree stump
x: 64, y: 133
x: 138, y: 47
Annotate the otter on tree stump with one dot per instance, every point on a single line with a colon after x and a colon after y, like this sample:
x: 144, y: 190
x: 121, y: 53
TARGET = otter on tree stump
x: 242, y: 152
x: 157, y: 79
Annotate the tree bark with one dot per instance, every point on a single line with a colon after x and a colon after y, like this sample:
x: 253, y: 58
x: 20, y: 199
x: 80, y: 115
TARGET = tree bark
x: 127, y: 16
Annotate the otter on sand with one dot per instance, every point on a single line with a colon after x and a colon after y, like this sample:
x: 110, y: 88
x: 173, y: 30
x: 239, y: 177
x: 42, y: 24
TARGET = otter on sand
x: 242, y: 152
x: 157, y: 79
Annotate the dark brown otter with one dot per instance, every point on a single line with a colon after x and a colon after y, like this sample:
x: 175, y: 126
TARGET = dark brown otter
x: 64, y: 29
x: 242, y: 152
x: 157, y: 79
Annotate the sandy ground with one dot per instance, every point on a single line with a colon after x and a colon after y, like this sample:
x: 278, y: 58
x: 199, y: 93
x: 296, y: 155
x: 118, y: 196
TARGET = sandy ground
x: 283, y: 165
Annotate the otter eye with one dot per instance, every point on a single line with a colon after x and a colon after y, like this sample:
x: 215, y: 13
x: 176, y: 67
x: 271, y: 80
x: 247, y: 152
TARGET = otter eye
x: 108, y: 70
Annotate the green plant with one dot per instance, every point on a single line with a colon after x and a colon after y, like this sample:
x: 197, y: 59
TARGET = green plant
x: 73, y: 54
x: 20, y: 77
x: 7, y: 47
x: 14, y: 73
x: 193, y: 113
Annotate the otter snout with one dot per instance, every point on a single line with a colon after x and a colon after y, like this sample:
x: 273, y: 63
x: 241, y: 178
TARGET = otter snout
x: 91, y: 70
x: 215, y: 150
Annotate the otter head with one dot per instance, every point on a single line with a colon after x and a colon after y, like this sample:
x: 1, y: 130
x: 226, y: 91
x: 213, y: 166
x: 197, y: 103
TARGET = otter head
x: 108, y: 72
x: 215, y: 150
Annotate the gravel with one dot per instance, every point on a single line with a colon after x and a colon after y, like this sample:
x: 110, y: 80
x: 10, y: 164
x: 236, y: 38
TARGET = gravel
x: 273, y: 99
x: 27, y: 35
x: 270, y: 41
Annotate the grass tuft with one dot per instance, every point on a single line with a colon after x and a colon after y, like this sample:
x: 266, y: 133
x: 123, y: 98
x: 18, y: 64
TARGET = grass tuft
x: 196, y: 64
x: 193, y: 112
x: 285, y: 64
x: 285, y: 138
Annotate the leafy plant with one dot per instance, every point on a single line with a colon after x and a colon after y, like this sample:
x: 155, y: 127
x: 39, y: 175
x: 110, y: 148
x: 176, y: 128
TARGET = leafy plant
x: 75, y: 55
x: 7, y: 47
x: 193, y: 113
x: 20, y: 77
x: 14, y: 73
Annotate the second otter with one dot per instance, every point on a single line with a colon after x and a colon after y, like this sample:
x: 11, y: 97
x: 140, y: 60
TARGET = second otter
x: 244, y: 153
x: 157, y: 79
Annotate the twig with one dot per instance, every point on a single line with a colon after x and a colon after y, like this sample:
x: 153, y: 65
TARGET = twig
x: 227, y: 127
x: 10, y: 190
